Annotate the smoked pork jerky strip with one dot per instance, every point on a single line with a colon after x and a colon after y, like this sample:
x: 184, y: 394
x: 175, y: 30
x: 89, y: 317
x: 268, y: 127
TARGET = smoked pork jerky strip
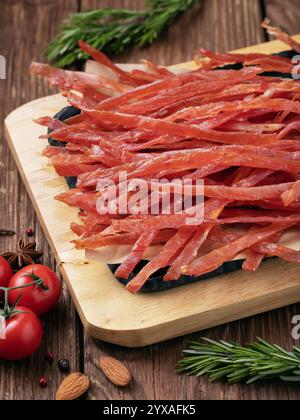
x: 136, y: 254
x: 214, y: 259
x: 279, y: 34
x: 162, y: 259
x: 237, y: 130
x: 187, y: 160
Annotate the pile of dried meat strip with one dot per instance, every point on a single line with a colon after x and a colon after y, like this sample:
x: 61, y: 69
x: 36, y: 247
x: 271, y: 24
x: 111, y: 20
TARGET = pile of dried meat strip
x: 237, y: 130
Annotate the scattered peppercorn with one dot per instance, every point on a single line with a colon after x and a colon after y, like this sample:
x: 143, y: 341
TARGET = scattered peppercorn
x: 29, y: 232
x: 49, y: 356
x: 43, y: 382
x: 64, y: 365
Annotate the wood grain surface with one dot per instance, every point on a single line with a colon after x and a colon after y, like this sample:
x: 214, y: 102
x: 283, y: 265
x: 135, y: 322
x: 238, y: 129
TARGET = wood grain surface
x: 286, y: 14
x: 26, y: 27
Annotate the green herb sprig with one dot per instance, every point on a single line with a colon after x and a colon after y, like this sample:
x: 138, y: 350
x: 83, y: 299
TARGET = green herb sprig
x: 113, y: 30
x: 257, y: 361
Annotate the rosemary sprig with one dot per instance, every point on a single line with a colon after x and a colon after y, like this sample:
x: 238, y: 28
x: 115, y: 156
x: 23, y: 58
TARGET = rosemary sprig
x: 257, y: 361
x: 113, y: 30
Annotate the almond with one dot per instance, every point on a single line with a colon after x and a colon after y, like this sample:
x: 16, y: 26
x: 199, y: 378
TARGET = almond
x: 115, y: 371
x: 73, y: 386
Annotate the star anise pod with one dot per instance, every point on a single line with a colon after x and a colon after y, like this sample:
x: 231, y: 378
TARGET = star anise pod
x: 25, y: 254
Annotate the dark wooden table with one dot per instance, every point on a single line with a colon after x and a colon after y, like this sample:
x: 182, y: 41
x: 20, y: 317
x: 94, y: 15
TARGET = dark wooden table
x: 25, y: 28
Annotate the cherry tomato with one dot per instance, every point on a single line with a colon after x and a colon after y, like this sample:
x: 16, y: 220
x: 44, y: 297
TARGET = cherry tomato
x: 5, y: 274
x: 20, y: 335
x: 40, y: 300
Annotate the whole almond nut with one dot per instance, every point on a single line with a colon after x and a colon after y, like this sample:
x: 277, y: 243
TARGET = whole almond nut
x: 115, y: 371
x: 73, y: 386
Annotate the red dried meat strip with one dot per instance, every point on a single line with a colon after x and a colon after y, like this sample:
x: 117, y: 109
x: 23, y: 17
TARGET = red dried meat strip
x: 206, y: 170
x: 227, y: 58
x: 68, y: 158
x: 162, y: 259
x: 293, y: 126
x: 73, y: 147
x: 51, y: 123
x: 103, y: 59
x: 184, y: 130
x: 50, y: 151
x: 235, y: 193
x: 93, y: 219
x: 266, y: 62
x: 83, y: 137
x: 99, y: 240
x: 78, y: 198
x: 188, y: 160
x: 212, y: 208
x: 174, y: 221
x: 292, y: 194
x: 171, y: 82
x: 254, y: 128
x: 252, y: 261
x: 78, y: 229
x: 84, y: 231
x: 162, y: 71
x: 212, y: 109
x: 136, y: 254
x: 282, y: 36
x: 75, y: 169
x: 255, y: 219
x: 76, y: 80
x: 170, y: 96
x: 103, y: 239
x: 188, y: 253
x: 277, y: 250
x: 253, y: 257
x: 217, y: 257
x: 189, y: 116
x: 144, y: 77
x: 272, y: 64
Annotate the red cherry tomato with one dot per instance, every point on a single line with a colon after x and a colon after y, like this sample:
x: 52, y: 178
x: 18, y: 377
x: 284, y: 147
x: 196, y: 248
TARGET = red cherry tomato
x: 37, y: 298
x: 20, y: 335
x: 5, y: 274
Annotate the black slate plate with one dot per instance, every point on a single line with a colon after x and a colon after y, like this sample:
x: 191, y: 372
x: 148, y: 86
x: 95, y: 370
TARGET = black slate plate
x: 155, y: 283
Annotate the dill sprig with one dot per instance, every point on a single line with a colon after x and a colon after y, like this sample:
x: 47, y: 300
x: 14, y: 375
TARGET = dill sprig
x: 113, y: 30
x: 234, y: 363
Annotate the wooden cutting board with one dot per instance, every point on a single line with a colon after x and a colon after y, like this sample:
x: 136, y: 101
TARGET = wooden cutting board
x: 107, y: 310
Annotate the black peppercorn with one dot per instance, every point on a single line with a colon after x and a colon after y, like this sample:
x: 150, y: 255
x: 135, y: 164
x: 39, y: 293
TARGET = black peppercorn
x: 64, y: 365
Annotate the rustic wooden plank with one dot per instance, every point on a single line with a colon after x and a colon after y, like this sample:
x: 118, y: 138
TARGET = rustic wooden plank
x: 285, y: 14
x: 221, y: 25
x: 216, y: 24
x: 26, y: 28
x: 153, y: 367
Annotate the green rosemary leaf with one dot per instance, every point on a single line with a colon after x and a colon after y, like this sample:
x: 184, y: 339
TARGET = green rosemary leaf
x: 290, y: 378
x: 113, y: 30
x: 296, y: 350
x: 253, y: 379
x: 289, y: 357
x: 276, y: 372
x: 221, y: 373
x: 256, y: 361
